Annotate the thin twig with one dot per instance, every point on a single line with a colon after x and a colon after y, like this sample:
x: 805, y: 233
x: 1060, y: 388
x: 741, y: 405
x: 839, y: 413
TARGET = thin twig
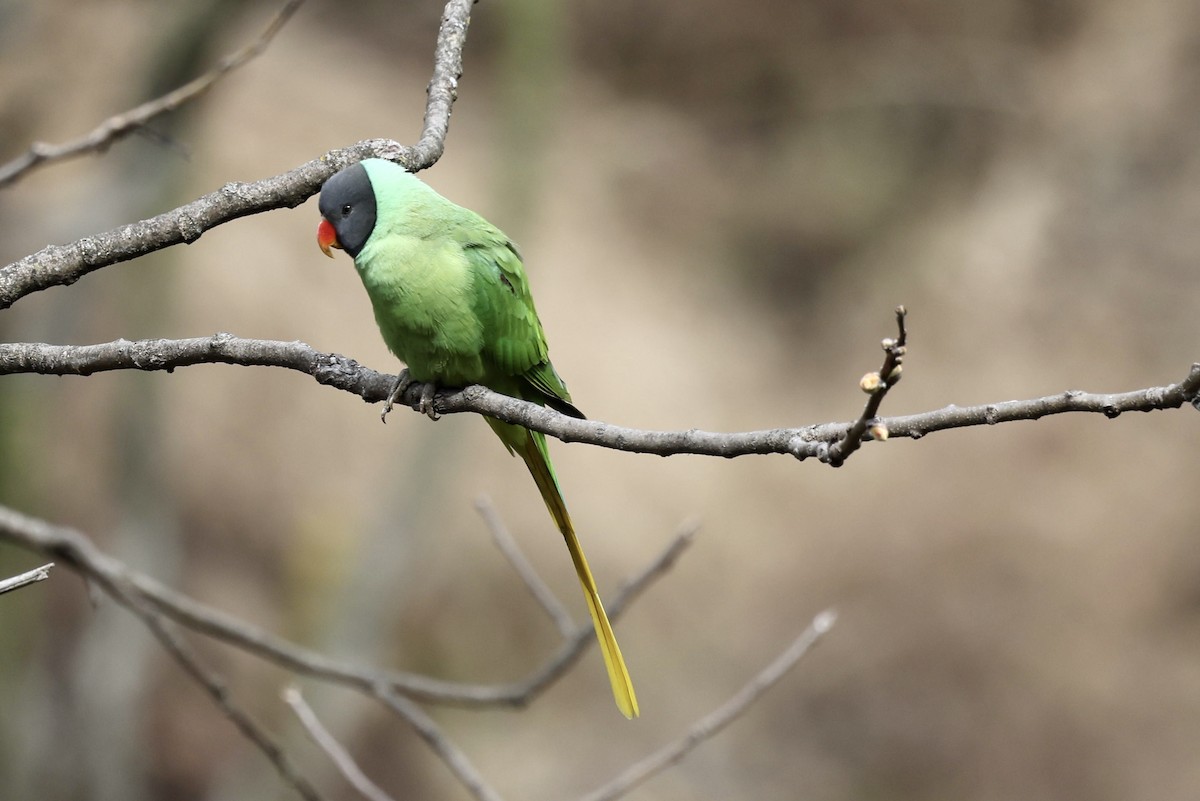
x: 447, y: 751
x: 533, y: 581
x: 59, y: 265
x: 877, y: 386
x: 121, y: 125
x: 32, y: 577
x: 719, y: 718
x: 348, y: 375
x: 345, y: 763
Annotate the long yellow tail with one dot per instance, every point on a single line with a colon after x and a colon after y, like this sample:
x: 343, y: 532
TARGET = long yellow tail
x: 532, y: 448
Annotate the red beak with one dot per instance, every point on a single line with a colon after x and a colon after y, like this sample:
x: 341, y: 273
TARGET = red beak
x: 327, y: 238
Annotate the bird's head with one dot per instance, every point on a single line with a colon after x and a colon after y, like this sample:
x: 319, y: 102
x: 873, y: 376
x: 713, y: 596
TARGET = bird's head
x: 348, y: 209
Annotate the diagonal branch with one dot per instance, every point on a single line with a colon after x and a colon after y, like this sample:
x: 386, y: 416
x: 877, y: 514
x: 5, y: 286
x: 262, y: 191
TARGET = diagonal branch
x: 60, y: 265
x: 348, y: 375
x: 215, y: 687
x: 428, y: 730
x: 150, y: 601
x: 121, y: 125
x: 342, y: 760
x: 25, y: 579
x: 720, y: 717
x: 534, y: 582
x: 78, y: 553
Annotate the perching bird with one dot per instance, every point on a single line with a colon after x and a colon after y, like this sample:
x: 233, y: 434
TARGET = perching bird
x: 452, y: 302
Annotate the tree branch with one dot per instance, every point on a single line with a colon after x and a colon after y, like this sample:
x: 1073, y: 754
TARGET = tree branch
x: 60, y: 265
x: 149, y: 601
x: 533, y: 581
x: 348, y: 375
x: 447, y: 751
x: 25, y: 579
x: 77, y: 552
x: 121, y: 125
x: 720, y: 717
x: 342, y: 760
x: 876, y: 385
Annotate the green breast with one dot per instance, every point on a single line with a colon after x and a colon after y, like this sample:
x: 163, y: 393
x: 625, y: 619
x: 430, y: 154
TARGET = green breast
x: 422, y: 293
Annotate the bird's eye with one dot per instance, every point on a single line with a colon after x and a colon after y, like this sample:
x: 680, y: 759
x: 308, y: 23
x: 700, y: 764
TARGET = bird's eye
x: 346, y: 210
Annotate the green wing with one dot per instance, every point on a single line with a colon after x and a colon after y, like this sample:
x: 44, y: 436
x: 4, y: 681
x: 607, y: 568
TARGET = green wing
x: 514, y: 351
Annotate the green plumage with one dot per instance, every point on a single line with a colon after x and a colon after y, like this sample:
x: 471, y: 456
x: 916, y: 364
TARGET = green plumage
x: 452, y: 302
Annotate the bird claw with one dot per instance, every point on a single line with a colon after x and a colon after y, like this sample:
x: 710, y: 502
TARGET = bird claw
x: 403, y: 382
x: 425, y: 405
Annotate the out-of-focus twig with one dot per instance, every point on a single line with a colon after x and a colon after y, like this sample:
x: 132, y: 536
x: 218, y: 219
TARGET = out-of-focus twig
x: 150, y: 602
x: 33, y: 576
x: 443, y: 746
x: 719, y: 718
x: 77, y: 552
x: 320, y: 735
x: 121, y: 125
x: 533, y: 581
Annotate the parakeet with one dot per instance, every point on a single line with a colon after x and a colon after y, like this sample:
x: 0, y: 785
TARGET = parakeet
x: 452, y: 302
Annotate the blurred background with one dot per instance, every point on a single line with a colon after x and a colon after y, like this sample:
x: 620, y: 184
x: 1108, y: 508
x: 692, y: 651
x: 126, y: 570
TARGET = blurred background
x: 719, y: 205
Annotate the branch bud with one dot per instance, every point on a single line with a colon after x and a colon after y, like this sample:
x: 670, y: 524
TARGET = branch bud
x: 870, y: 383
x: 879, y: 432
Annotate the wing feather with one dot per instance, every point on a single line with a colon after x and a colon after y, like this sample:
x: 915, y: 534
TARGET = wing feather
x: 514, y: 342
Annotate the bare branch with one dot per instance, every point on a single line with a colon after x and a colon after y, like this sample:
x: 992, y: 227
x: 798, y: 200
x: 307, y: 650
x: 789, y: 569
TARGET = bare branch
x: 78, y: 553
x: 537, y: 587
x: 876, y: 385
x: 449, y: 753
x: 121, y: 125
x: 167, y: 354
x: 59, y: 265
x: 443, y: 86
x: 32, y: 577
x: 348, y: 375
x: 216, y: 689
x: 145, y: 598
x: 345, y: 763
x: 720, y: 717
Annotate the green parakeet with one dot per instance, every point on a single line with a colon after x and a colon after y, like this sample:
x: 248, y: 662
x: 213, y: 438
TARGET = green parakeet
x: 452, y: 302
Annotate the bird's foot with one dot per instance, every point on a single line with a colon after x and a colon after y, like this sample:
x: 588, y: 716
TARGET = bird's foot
x: 403, y: 382
x: 425, y: 405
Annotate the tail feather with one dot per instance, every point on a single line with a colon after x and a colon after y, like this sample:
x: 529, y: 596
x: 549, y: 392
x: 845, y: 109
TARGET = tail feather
x: 532, y: 448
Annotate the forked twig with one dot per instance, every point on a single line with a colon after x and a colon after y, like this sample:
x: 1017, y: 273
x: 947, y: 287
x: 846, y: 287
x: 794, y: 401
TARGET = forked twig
x: 876, y: 385
x: 78, y: 553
